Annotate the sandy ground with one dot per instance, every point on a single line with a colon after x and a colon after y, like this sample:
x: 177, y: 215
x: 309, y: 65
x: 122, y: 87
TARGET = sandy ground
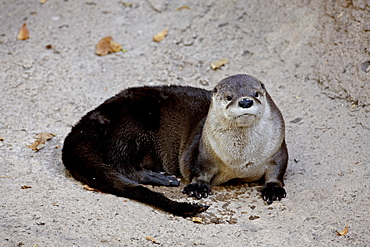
x: 313, y: 57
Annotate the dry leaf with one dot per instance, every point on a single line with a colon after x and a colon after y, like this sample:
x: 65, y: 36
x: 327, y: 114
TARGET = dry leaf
x: 107, y: 45
x: 43, y: 1
x: 1, y: 139
x: 41, y: 140
x: 219, y: 63
x: 23, y: 33
x: 197, y: 220
x: 343, y: 232
x: 103, y: 47
x: 160, y: 36
x: 44, y: 135
x: 23, y: 187
x: 86, y: 187
x: 151, y: 239
x: 182, y: 7
x: 126, y: 4
x: 115, y: 46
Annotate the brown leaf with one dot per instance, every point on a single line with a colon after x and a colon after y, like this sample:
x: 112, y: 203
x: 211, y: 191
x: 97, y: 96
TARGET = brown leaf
x: 1, y: 139
x: 103, y: 47
x: 36, y: 145
x: 151, y: 239
x: 107, y: 45
x: 126, y: 4
x: 343, y: 232
x: 115, y: 46
x: 23, y: 187
x: 43, y: 1
x: 88, y: 188
x: 197, y: 220
x: 23, y: 33
x: 182, y: 7
x: 44, y: 135
x: 219, y: 63
x: 160, y: 36
x: 41, y: 140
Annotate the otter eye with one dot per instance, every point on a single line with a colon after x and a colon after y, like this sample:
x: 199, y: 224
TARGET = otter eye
x: 256, y: 95
x: 229, y: 98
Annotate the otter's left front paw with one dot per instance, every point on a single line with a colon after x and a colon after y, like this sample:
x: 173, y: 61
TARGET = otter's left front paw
x: 272, y: 192
x: 198, y: 190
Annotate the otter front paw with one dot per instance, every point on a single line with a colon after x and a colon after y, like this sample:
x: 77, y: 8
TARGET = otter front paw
x: 198, y: 190
x: 188, y: 210
x: 272, y: 192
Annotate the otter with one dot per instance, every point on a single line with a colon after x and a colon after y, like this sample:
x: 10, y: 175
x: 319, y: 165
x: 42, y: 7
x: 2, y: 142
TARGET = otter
x: 154, y: 134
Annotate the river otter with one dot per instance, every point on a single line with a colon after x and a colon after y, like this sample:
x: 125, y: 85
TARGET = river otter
x: 145, y: 135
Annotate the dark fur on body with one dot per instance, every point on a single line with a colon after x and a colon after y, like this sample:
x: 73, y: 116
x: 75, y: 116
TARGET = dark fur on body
x: 135, y: 136
x: 131, y: 137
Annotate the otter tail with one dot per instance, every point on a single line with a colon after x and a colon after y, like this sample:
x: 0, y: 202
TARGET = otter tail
x: 83, y: 158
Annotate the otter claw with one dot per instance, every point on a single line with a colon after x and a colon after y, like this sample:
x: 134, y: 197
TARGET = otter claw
x: 197, y: 190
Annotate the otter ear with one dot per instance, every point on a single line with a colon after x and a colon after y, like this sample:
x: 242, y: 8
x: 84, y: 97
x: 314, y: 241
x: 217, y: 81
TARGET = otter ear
x: 215, y: 90
x: 263, y: 86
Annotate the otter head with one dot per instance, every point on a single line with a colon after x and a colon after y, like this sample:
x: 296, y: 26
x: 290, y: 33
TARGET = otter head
x: 239, y: 99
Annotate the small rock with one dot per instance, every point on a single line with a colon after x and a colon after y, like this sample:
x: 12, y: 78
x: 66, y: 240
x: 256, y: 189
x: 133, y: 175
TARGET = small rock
x: 27, y: 64
x: 365, y: 66
x: 297, y: 120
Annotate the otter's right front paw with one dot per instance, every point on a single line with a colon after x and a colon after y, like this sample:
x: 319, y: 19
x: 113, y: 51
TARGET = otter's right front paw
x: 198, y: 190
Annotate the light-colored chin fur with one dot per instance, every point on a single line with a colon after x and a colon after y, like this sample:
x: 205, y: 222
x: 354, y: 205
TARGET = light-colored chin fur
x: 246, y: 120
x: 239, y: 144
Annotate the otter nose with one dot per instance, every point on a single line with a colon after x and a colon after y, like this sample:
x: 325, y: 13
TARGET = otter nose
x: 245, y: 103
